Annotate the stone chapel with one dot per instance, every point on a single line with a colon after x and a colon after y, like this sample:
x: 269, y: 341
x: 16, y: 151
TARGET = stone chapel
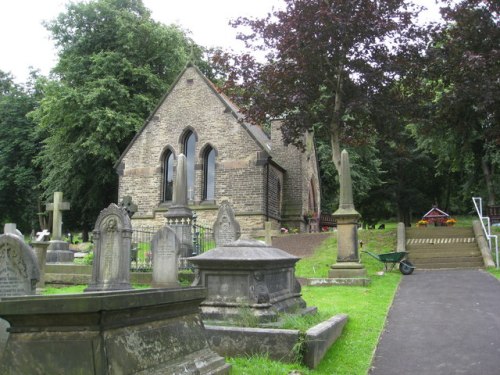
x: 228, y: 159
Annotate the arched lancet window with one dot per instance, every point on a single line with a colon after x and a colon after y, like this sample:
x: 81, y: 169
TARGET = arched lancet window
x: 189, y: 148
x: 209, y: 174
x: 278, y: 188
x: 168, y: 176
x: 312, y: 198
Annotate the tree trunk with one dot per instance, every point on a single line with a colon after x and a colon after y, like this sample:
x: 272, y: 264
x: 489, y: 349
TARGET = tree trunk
x: 488, y: 179
x: 85, y: 235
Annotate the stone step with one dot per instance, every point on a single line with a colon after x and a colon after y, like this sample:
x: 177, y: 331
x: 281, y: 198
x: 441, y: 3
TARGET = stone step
x: 441, y: 241
x: 438, y: 232
x: 432, y: 266
x: 451, y: 262
x: 444, y: 254
x: 441, y: 248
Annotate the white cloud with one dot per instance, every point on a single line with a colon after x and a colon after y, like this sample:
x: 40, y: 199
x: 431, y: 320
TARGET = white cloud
x: 24, y: 41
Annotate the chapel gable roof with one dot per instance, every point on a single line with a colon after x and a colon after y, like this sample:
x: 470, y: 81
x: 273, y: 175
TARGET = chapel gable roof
x: 255, y: 131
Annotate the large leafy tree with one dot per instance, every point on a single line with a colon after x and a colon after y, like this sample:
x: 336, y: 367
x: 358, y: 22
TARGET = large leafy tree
x: 325, y: 59
x: 115, y: 62
x: 460, y: 92
x: 18, y: 176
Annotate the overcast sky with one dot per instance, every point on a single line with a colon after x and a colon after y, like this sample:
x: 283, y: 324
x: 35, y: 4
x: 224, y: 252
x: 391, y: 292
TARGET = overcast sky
x: 24, y: 42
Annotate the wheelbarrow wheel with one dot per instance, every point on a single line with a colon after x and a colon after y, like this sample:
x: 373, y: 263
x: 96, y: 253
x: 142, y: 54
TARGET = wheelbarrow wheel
x: 406, y: 267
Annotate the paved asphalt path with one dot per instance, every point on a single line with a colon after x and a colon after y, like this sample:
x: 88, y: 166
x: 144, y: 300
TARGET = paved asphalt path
x: 442, y: 322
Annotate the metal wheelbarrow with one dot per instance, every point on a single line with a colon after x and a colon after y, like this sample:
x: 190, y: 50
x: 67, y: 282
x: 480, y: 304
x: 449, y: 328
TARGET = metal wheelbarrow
x: 405, y: 266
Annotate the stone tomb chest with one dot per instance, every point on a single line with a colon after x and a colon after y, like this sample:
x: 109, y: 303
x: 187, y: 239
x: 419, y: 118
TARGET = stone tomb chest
x: 248, y: 276
x: 153, y: 331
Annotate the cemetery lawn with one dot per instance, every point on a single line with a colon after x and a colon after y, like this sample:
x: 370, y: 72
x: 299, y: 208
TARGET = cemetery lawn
x: 367, y: 308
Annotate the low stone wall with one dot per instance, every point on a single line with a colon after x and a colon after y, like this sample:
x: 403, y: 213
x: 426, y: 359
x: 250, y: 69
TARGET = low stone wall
x: 75, y: 274
x: 483, y: 244
x: 354, y: 281
x: 279, y: 344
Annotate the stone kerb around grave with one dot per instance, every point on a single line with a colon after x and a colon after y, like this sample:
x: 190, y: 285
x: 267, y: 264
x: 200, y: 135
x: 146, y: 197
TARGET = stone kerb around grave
x: 112, y: 241
x: 19, y: 271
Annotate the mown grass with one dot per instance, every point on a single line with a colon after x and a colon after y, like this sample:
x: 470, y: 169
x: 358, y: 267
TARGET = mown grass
x: 367, y: 308
x: 74, y: 289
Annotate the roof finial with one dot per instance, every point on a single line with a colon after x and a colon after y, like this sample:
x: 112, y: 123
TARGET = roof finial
x: 191, y: 58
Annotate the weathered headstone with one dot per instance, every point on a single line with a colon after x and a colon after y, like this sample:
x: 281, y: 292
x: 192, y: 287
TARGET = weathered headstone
x: 226, y: 228
x: 112, y: 241
x: 18, y: 271
x: 18, y: 267
x: 180, y: 216
x: 58, y: 250
x: 11, y: 228
x: 165, y: 248
x: 347, y: 218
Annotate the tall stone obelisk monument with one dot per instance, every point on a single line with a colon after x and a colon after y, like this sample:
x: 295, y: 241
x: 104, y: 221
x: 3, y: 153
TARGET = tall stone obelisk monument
x: 347, y: 218
x: 179, y: 215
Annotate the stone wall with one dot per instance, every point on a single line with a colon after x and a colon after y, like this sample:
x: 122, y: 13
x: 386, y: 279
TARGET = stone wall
x: 301, y: 170
x: 193, y: 105
x: 256, y: 188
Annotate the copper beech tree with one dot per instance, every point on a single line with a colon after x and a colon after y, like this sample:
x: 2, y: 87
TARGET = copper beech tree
x: 324, y: 61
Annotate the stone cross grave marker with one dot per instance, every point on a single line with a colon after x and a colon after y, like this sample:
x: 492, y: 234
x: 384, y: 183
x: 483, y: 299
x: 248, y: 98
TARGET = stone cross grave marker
x: 112, y: 241
x: 57, y: 207
x: 226, y: 228
x: 40, y: 236
x: 165, y: 247
x: 128, y: 205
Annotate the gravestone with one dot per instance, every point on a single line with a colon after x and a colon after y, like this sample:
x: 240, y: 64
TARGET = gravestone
x: 11, y: 228
x: 112, y: 241
x: 58, y: 250
x: 347, y: 218
x: 180, y: 216
x: 18, y: 267
x: 128, y: 205
x: 18, y: 273
x: 226, y: 228
x: 165, y: 248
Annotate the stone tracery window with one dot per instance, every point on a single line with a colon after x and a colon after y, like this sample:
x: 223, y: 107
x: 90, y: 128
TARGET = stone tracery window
x: 168, y: 176
x: 209, y: 174
x: 189, y: 148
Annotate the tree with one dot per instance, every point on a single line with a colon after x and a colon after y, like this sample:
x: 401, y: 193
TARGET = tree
x: 459, y: 88
x: 18, y: 176
x: 115, y: 62
x: 325, y: 59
